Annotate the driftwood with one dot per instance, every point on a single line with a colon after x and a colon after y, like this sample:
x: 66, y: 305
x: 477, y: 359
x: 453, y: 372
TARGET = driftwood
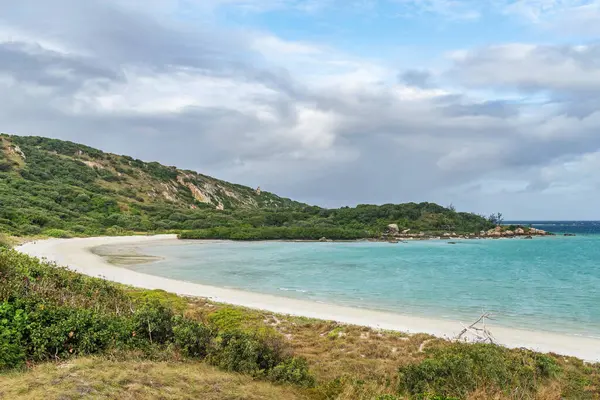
x: 478, y: 330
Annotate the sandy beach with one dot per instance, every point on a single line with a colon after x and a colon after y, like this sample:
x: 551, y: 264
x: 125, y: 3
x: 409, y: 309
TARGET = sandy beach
x: 76, y: 254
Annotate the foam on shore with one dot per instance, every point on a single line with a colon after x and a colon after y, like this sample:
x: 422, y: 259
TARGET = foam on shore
x: 76, y: 254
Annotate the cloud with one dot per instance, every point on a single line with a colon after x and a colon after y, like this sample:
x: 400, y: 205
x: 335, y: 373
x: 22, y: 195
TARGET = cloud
x: 530, y: 68
x: 418, y: 78
x: 299, y: 118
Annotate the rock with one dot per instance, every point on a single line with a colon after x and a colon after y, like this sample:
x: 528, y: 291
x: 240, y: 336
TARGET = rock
x: 446, y: 234
x: 528, y: 237
x: 422, y: 234
x: 451, y: 242
x: 393, y: 228
x: 509, y: 233
x: 570, y: 234
x: 519, y: 231
x: 323, y: 239
x: 258, y: 191
x: 498, y: 229
x: 541, y: 232
x: 404, y: 232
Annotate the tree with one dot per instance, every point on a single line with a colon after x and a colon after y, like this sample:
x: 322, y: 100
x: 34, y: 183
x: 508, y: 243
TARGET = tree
x: 496, y: 219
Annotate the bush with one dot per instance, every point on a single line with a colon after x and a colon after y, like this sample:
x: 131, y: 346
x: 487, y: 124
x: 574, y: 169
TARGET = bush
x: 459, y: 369
x: 12, y: 325
x: 154, y: 321
x: 30, y: 230
x: 5, y: 243
x: 246, y: 353
x: 58, y: 233
x: 293, y: 370
x: 192, y: 338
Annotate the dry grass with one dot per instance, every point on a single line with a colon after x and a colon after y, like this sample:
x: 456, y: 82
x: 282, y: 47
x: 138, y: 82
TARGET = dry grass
x: 98, y: 378
x: 349, y: 362
x: 354, y: 362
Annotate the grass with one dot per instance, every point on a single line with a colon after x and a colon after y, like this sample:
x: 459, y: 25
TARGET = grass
x: 101, y: 378
x: 348, y: 362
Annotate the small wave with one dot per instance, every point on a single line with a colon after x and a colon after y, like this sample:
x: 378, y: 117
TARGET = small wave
x: 292, y: 290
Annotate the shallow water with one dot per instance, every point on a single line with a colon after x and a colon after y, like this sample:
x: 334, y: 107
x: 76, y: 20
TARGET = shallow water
x: 542, y: 284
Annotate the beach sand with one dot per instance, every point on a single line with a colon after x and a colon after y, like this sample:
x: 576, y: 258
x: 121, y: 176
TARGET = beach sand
x: 76, y: 254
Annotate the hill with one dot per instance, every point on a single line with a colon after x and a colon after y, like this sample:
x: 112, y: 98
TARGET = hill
x: 59, y: 188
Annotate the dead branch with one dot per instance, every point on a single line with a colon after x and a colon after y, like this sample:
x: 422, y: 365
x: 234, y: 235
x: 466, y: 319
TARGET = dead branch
x: 477, y: 330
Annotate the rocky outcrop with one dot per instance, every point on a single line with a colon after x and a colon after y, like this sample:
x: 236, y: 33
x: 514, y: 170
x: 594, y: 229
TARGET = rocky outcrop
x: 93, y: 164
x: 16, y: 150
x: 393, y: 229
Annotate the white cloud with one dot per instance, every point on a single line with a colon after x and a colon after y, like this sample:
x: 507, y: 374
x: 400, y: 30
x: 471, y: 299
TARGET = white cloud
x: 302, y: 118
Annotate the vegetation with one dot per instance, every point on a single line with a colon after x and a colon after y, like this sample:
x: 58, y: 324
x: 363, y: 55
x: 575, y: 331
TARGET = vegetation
x: 49, y: 313
x: 92, y: 337
x: 61, y: 189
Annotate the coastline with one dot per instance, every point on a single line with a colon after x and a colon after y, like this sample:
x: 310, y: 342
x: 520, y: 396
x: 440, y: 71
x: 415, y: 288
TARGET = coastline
x: 77, y: 255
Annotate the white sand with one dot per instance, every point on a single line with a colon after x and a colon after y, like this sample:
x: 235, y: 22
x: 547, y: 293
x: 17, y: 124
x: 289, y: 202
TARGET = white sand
x: 75, y: 254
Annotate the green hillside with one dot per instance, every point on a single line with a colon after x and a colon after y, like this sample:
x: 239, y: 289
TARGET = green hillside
x: 62, y: 189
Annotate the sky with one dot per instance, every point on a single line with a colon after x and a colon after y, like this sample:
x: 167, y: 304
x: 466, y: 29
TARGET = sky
x: 489, y: 105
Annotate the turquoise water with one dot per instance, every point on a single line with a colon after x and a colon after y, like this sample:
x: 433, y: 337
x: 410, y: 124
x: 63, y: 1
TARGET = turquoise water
x: 544, y: 284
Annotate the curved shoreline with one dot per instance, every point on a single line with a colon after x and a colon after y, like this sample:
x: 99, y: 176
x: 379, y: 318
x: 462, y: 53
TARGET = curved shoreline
x: 76, y: 254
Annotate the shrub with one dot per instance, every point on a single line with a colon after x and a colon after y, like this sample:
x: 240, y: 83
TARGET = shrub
x: 78, y: 228
x: 227, y: 319
x: 169, y: 300
x: 292, y: 370
x: 5, y: 242
x: 12, y: 324
x: 154, y: 321
x: 192, y: 338
x: 58, y: 233
x: 459, y: 369
x: 246, y: 353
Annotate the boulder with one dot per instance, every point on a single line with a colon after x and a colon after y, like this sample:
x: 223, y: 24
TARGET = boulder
x: 528, y: 237
x: 509, y: 233
x: 404, y: 232
x: 498, y: 229
x: 446, y: 234
x: 519, y: 231
x: 323, y: 239
x: 570, y: 234
x: 393, y: 228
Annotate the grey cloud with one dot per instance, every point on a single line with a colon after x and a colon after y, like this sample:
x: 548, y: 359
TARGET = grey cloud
x: 416, y: 78
x: 497, y: 109
x: 391, y: 149
x: 544, y: 68
x: 33, y: 64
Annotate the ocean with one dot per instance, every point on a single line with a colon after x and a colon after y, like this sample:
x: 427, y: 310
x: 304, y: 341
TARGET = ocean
x: 549, y: 284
